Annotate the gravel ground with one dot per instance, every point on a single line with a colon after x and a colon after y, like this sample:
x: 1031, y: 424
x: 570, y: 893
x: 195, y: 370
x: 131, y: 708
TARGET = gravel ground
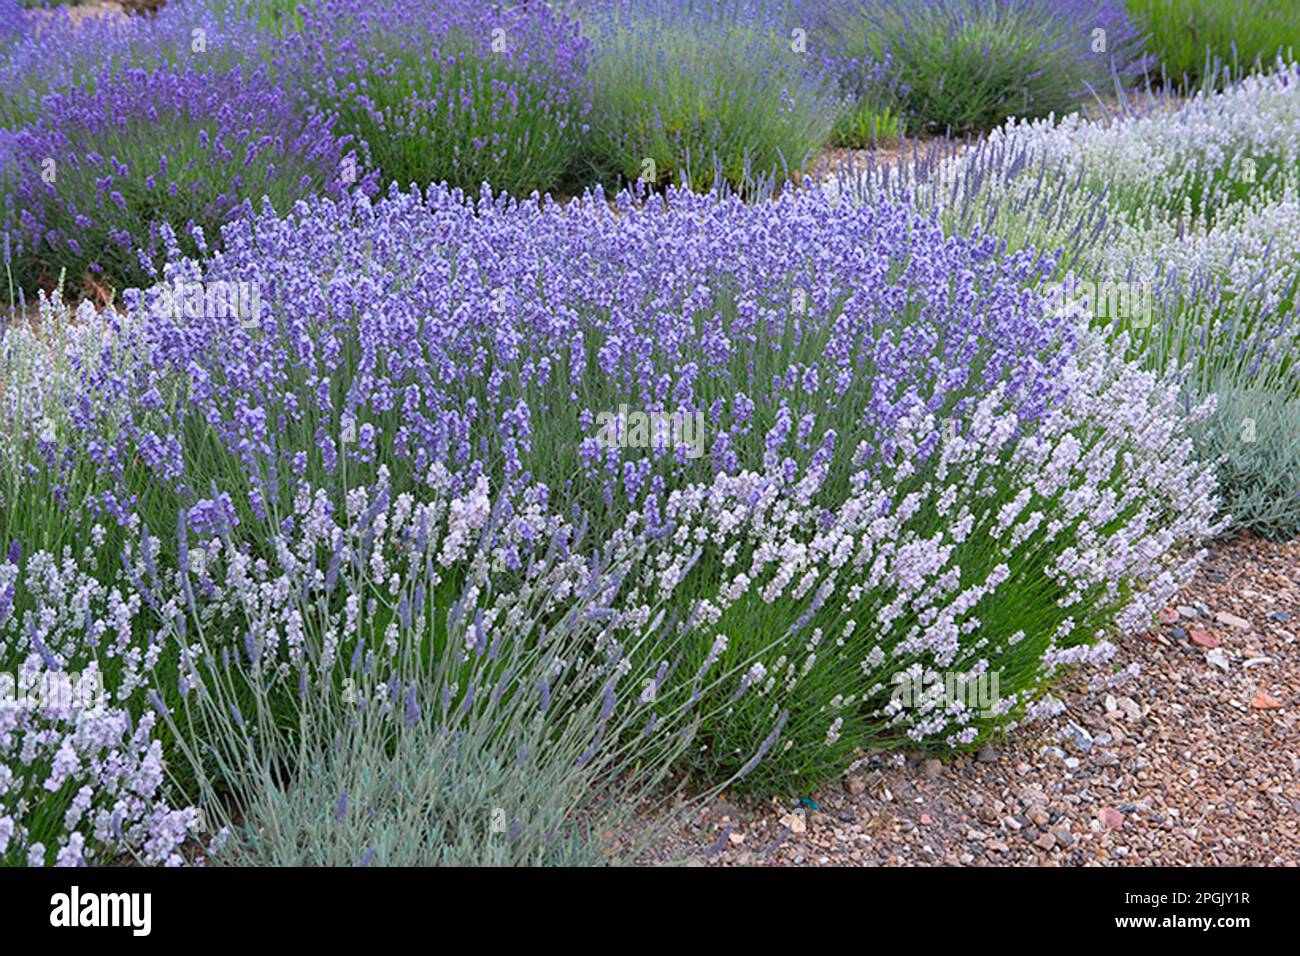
x: 80, y: 12
x: 1193, y: 762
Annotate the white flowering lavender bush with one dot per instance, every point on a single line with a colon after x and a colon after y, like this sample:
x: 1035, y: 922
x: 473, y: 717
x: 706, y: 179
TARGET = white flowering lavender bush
x: 1202, y: 188
x: 511, y: 725
x: 1007, y: 552
x: 1191, y: 211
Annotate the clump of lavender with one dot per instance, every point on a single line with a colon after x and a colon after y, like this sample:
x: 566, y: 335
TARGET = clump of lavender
x: 775, y: 307
x: 512, y: 721
x: 1254, y: 439
x: 1191, y: 39
x: 81, y: 770
x: 901, y: 450
x: 67, y: 54
x: 98, y: 182
x: 12, y: 19
x: 969, y: 64
x: 1184, y: 219
x: 921, y: 577
x: 689, y: 91
x: 464, y: 94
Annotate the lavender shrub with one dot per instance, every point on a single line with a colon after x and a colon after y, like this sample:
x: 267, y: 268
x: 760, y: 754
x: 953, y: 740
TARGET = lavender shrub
x: 485, y: 727
x: 95, y: 179
x: 465, y: 94
x: 1180, y: 224
x: 690, y: 91
x: 69, y: 54
x: 12, y: 20
x: 520, y: 677
x: 906, y: 465
x: 970, y: 64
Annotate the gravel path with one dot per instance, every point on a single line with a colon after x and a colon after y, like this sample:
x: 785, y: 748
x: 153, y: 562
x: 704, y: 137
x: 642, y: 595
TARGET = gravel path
x: 1193, y: 762
x: 81, y: 12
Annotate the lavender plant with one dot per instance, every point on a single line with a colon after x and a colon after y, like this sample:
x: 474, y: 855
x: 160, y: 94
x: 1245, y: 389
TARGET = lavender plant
x: 12, y: 17
x: 1202, y: 200
x: 473, y: 94
x: 1254, y: 439
x: 70, y: 54
x: 506, y: 727
x: 362, y: 595
x: 1190, y: 38
x: 93, y: 182
x: 696, y: 91
x: 830, y: 525
x: 1190, y: 210
x: 969, y: 64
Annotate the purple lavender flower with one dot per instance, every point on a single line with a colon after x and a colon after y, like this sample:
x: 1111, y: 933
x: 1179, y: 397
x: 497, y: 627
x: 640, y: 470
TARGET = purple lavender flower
x: 768, y: 743
x: 871, y: 308
x: 13, y: 19
x: 412, y: 716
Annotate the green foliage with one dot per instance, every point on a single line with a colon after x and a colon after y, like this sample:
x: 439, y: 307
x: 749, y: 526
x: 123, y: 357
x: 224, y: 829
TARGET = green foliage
x: 679, y: 100
x: 865, y: 124
x: 1189, y: 37
x: 349, y: 777
x: 963, y: 65
x: 1254, y: 434
x: 443, y: 108
x: 274, y: 16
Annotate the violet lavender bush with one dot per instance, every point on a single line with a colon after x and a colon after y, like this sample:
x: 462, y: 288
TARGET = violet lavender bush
x: 464, y: 94
x: 202, y: 35
x: 238, y: 107
x: 92, y: 183
x: 12, y: 18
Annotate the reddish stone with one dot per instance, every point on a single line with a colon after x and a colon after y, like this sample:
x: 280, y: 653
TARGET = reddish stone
x: 1111, y: 819
x: 1265, y: 701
